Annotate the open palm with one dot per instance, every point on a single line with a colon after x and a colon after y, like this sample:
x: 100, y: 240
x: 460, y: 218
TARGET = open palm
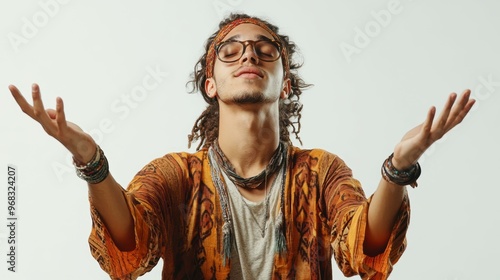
x: 79, y: 143
x: 416, y: 141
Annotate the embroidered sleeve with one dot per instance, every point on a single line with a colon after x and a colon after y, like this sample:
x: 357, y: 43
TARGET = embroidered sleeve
x: 347, y: 209
x: 150, y: 201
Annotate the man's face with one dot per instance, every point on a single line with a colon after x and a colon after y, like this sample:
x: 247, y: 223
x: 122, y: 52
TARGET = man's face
x: 248, y: 80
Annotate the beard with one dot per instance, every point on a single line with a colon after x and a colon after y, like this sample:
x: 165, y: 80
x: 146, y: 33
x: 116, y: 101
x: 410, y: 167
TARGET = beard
x: 249, y: 98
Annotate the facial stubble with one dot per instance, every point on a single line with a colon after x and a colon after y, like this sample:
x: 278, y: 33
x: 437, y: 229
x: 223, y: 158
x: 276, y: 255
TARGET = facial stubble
x: 245, y: 96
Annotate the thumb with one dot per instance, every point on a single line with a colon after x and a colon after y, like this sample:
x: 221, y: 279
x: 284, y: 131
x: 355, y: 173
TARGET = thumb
x: 52, y: 113
x: 74, y: 127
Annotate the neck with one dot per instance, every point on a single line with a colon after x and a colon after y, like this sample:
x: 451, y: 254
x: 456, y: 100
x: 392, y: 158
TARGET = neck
x: 248, y: 136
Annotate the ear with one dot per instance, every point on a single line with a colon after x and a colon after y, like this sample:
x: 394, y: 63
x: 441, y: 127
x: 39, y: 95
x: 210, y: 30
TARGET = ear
x: 287, y: 88
x: 210, y: 87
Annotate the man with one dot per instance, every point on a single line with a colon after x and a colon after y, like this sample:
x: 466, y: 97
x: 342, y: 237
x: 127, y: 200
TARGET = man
x: 247, y: 205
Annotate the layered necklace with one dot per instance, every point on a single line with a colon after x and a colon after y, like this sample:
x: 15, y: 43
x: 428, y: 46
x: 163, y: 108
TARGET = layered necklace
x: 263, y: 227
x: 219, y: 162
x: 252, y: 182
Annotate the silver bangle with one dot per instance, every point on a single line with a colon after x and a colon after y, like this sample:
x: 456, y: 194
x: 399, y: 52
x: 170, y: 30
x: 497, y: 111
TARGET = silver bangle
x: 96, y: 170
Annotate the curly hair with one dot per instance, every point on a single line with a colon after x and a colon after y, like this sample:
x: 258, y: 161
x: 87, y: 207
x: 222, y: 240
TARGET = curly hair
x: 206, y: 127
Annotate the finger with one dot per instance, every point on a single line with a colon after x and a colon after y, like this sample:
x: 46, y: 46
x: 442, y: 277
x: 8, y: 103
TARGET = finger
x: 463, y: 113
x: 21, y: 101
x: 470, y: 104
x: 439, y: 126
x: 51, y: 113
x: 457, y: 113
x: 60, y: 116
x: 462, y: 101
x: 42, y: 115
x: 38, y: 109
x: 465, y: 97
x: 427, y: 125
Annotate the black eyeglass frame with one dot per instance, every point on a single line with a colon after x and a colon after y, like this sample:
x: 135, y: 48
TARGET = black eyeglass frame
x: 245, y: 43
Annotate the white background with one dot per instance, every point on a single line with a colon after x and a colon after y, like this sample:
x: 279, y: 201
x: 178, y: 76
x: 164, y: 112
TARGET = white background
x: 95, y: 53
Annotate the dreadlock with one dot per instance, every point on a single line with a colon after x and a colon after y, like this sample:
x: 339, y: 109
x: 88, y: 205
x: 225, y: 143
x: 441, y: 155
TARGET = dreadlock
x: 206, y: 127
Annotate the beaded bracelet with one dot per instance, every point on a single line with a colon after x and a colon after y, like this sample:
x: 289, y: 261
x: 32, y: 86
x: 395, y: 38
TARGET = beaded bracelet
x: 400, y: 177
x: 96, y: 170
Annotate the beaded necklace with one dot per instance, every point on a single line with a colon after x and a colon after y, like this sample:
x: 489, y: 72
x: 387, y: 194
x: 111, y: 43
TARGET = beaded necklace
x: 262, y: 227
x: 255, y: 181
x: 216, y: 160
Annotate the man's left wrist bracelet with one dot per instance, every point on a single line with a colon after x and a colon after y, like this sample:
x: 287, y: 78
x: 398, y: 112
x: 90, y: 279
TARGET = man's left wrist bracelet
x: 96, y: 170
x: 400, y: 177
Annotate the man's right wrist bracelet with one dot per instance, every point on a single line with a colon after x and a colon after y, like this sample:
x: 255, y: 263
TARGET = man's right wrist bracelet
x: 96, y: 170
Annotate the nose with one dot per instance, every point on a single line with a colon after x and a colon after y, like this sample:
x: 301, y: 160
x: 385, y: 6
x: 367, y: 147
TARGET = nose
x: 249, y: 54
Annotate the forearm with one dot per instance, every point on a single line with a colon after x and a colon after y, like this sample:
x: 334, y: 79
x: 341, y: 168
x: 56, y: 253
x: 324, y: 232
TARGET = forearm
x: 106, y: 194
x: 405, y: 169
x: 108, y: 199
x: 382, y: 212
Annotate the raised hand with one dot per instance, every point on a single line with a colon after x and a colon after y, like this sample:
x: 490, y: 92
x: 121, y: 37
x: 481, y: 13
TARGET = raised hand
x: 79, y: 143
x: 416, y: 141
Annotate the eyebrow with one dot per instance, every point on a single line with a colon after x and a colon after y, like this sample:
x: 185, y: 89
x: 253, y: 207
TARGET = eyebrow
x: 259, y: 37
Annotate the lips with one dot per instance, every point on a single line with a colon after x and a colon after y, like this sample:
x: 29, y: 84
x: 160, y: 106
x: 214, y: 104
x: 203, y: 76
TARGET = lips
x: 248, y: 71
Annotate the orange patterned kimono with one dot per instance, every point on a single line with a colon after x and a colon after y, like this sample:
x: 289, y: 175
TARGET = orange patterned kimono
x: 177, y: 216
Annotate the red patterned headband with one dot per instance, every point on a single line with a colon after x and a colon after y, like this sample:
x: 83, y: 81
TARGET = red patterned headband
x: 210, y: 60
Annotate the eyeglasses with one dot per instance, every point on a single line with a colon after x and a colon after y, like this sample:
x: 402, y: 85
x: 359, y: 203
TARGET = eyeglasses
x: 232, y: 50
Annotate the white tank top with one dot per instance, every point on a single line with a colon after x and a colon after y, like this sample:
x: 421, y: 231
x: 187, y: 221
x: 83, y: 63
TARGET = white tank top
x: 252, y: 256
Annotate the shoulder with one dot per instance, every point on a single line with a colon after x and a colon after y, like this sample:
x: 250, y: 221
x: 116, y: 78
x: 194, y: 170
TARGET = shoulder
x: 170, y: 169
x: 182, y: 162
x: 183, y: 159
x: 177, y: 162
x: 315, y: 156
